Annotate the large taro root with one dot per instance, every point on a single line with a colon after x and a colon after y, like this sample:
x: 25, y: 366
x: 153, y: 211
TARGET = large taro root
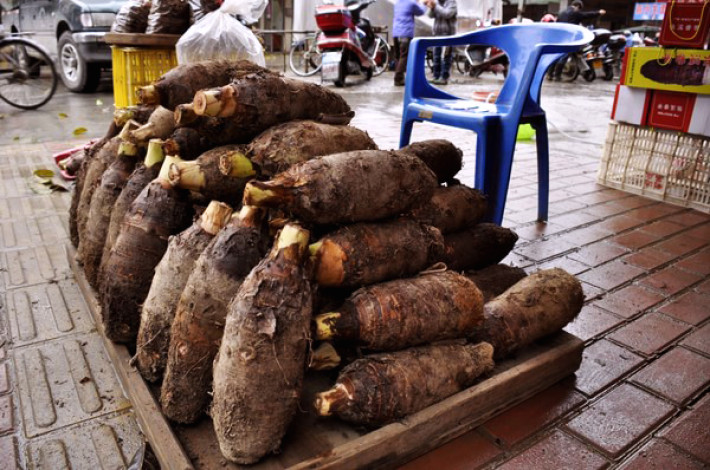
x: 370, y: 252
x: 443, y: 157
x: 158, y: 212
x: 258, y: 374
x: 179, y: 85
x: 347, y: 187
x: 385, y: 387
x: 406, y: 312
x: 452, y: 208
x: 170, y: 278
x: 495, y: 279
x: 283, y: 145
x: 201, y: 312
x: 478, y: 246
x: 536, y: 306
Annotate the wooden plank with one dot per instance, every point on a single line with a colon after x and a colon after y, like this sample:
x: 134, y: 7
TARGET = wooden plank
x: 141, y: 40
x: 167, y: 448
x: 314, y: 442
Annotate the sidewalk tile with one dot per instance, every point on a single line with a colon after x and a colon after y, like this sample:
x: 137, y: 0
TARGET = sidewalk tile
x: 682, y: 244
x: 649, y: 258
x: 598, y: 253
x: 662, y: 228
x: 4, y: 379
x: 691, y: 432
x: 537, y: 231
x: 607, y: 209
x: 634, y: 240
x: 619, y: 223
x: 611, y: 275
x: 699, y: 340
x: 34, y: 265
x: 591, y: 322
x: 467, y: 452
x: 540, y: 251
x: 660, y: 455
x: 564, y: 262
x: 670, y: 280
x: 689, y: 218
x: 619, y: 419
x: 534, y: 414
x: 703, y: 287
x: 603, y: 363
x: 559, y: 451
x: 6, y: 414
x: 701, y: 233
x: 573, y: 219
x: 630, y: 301
x: 698, y: 263
x: 655, y: 211
x: 650, y: 333
x: 586, y: 235
x: 678, y: 375
x: 635, y: 202
x: 8, y: 453
x: 692, y: 307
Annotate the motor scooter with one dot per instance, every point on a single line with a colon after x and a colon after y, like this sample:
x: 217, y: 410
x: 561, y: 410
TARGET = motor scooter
x: 345, y: 39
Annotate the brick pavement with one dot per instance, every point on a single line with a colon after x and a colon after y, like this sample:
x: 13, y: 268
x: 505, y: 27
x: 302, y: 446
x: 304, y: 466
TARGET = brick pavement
x: 639, y: 400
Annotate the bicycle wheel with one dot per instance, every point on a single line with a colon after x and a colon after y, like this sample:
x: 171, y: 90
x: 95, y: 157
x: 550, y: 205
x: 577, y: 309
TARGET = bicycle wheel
x: 381, y: 57
x: 304, y: 59
x: 27, y: 75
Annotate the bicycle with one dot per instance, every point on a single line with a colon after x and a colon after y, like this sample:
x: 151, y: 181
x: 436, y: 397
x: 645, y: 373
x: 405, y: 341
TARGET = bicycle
x: 305, y: 59
x: 28, y: 78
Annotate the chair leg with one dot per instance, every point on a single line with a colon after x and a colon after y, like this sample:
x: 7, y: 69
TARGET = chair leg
x: 405, y: 133
x: 498, y: 177
x: 543, y: 169
x: 482, y: 154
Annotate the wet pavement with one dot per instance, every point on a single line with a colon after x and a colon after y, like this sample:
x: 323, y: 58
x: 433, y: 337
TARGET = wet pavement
x: 639, y: 399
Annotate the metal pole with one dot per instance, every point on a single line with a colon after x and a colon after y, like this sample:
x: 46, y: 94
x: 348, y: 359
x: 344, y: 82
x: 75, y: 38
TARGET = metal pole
x: 521, y: 7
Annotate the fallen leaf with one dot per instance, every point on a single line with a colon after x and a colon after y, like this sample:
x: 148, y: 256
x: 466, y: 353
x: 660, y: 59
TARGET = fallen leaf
x: 16, y: 138
x: 44, y: 173
x: 99, y: 102
x: 2, y: 116
x: 63, y: 115
x: 80, y: 130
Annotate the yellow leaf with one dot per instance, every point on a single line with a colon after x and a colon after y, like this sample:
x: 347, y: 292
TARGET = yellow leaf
x: 63, y: 115
x: 43, y: 173
x: 99, y: 102
x: 16, y: 138
x: 80, y: 130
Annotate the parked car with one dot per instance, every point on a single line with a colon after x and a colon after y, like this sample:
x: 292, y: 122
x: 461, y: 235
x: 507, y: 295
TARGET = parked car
x: 71, y: 30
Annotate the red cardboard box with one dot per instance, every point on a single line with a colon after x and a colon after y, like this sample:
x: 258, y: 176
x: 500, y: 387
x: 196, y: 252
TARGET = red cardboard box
x: 686, y: 23
x: 631, y: 105
x: 684, y: 112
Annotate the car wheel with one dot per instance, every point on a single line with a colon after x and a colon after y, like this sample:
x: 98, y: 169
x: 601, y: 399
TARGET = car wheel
x: 76, y: 73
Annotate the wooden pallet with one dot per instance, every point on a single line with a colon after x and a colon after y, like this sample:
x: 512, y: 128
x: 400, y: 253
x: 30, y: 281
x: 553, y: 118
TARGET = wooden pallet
x: 314, y: 442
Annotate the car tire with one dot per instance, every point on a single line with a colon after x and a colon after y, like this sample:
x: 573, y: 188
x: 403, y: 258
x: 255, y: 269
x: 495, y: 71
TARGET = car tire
x: 77, y: 74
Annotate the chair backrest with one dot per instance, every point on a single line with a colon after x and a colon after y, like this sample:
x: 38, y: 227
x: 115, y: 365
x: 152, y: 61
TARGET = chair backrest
x: 524, y: 44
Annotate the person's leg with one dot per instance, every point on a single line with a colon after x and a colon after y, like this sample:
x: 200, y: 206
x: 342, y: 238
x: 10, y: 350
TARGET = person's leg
x: 437, y: 62
x: 402, y: 62
x: 448, y: 59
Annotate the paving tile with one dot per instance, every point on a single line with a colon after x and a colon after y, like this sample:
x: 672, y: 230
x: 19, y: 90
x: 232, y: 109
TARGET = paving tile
x: 34, y: 265
x: 537, y: 231
x: 650, y: 333
x: 702, y: 232
x: 670, y: 280
x: 619, y: 419
x: 598, y: 253
x: 4, y: 379
x: 611, y: 275
x: 634, y: 240
x: 630, y: 300
x: 662, y: 228
x: 106, y: 442
x: 592, y: 322
x: 574, y: 219
x: 564, y: 262
x: 559, y: 451
x: 678, y: 375
x: 591, y: 292
x: 586, y: 235
x: 6, y: 414
x: 467, y: 452
x: 649, y: 258
x: 681, y: 244
x: 608, y: 209
x: 703, y: 287
x: 603, y: 363
x: 599, y: 197
x: 698, y: 263
x: 534, y: 414
x: 67, y: 382
x: 8, y: 453
x: 692, y: 307
x: 699, y: 340
x: 660, y: 455
x: 620, y: 223
x: 691, y: 432
x: 542, y: 250
x: 633, y: 202
x: 688, y: 218
x: 655, y: 211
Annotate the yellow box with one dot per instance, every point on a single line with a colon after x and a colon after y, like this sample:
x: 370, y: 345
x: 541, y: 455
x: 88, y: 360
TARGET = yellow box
x: 686, y: 70
x: 134, y: 67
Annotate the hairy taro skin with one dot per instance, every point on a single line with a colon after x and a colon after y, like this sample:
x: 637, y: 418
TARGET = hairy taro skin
x: 258, y: 373
x: 479, y: 246
x: 198, y: 325
x: 389, y: 386
x: 452, y: 208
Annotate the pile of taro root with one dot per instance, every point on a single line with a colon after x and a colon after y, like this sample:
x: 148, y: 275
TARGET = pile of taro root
x: 240, y: 234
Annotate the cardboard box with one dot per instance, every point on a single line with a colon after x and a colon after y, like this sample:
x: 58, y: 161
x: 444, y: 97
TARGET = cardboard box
x: 684, y: 112
x: 686, y: 23
x: 683, y: 70
x: 631, y: 105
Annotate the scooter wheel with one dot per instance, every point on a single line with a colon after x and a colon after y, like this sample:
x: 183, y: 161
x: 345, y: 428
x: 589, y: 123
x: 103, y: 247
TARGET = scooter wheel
x: 589, y: 75
x: 608, y: 72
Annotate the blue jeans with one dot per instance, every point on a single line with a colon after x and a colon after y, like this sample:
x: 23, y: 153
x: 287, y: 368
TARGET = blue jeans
x: 442, y: 70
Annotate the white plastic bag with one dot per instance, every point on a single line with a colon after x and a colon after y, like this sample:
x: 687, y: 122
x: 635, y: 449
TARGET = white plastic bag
x: 219, y: 35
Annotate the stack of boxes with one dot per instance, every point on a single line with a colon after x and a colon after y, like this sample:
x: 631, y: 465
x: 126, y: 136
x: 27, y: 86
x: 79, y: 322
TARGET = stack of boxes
x: 664, y: 94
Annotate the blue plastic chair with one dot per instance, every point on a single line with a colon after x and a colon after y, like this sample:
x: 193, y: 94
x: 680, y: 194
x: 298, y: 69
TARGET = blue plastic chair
x: 531, y: 49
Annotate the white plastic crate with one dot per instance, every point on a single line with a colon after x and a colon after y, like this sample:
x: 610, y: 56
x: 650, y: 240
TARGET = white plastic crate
x: 663, y: 165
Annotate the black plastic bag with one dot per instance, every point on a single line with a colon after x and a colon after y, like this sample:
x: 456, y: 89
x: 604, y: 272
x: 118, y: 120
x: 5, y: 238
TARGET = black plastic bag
x: 132, y: 17
x: 169, y: 17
